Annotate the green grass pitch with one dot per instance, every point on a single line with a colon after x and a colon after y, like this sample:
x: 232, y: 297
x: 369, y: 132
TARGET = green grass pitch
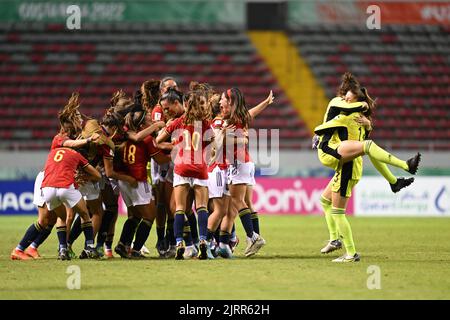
x: 412, y: 253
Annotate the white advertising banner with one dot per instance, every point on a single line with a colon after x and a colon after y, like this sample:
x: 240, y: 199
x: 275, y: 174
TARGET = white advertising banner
x: 426, y: 197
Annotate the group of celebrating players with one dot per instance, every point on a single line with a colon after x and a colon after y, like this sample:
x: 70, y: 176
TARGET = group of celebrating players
x: 182, y: 159
x: 166, y: 153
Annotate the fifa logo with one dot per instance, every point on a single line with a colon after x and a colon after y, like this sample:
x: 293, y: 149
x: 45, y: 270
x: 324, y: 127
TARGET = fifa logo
x: 73, y: 21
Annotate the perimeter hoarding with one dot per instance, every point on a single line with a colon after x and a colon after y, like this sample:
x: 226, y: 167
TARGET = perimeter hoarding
x: 426, y: 197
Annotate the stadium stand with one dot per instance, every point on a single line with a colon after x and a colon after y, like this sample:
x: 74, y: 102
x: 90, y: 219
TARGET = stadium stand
x: 407, y: 68
x: 41, y: 64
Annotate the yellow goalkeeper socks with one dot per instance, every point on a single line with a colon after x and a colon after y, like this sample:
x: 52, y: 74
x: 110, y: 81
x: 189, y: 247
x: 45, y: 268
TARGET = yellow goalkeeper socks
x: 332, y: 229
x: 344, y: 229
x: 375, y: 152
x: 384, y: 170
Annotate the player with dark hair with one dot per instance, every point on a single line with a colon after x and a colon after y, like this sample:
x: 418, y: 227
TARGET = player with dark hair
x: 139, y: 201
x: 240, y: 171
x: 341, y: 146
x: 190, y: 169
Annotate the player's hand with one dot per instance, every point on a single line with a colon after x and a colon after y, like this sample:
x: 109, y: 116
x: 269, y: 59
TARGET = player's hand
x: 160, y: 124
x: 363, y: 121
x: 270, y: 98
x: 95, y: 137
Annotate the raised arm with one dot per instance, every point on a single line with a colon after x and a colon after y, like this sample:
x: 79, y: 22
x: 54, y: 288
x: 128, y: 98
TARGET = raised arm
x: 81, y: 142
x: 260, y: 107
x: 140, y: 136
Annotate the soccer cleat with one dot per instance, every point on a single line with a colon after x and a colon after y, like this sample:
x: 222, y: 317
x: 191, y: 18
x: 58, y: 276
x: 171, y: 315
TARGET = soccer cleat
x: 137, y: 255
x: 180, y: 251
x: 101, y: 251
x: 214, y: 248
x: 331, y: 246
x: 400, y: 184
x: 225, y: 252
x: 190, y: 252
x: 413, y: 163
x: 203, y: 245
x: 161, y: 248
x: 17, y: 254
x: 70, y: 252
x: 89, y: 253
x: 122, y: 251
x: 253, y: 246
x: 145, y: 251
x: 108, y: 254
x: 346, y: 258
x: 63, y: 254
x: 32, y: 252
x: 171, y: 252
x: 234, y: 244
x: 209, y: 253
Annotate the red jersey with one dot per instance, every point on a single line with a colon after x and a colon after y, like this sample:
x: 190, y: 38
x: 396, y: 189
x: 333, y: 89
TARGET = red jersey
x: 136, y: 155
x: 61, y: 166
x: 157, y: 114
x: 240, y: 151
x: 59, y: 140
x: 221, y: 159
x: 189, y: 161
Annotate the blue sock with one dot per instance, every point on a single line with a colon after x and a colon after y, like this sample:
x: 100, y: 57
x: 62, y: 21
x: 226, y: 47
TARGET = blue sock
x: 178, y: 225
x: 255, y: 221
x: 42, y: 236
x: 75, y: 230
x: 245, y: 215
x: 31, y: 234
x: 203, y: 222
x: 88, y: 234
x: 62, y: 237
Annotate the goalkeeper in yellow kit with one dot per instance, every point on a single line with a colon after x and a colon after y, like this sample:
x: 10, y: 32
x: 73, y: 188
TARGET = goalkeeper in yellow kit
x: 341, y: 145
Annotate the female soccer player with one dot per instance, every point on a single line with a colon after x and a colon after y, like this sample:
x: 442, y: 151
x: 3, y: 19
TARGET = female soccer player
x: 219, y: 173
x: 139, y: 201
x: 240, y: 171
x: 70, y: 125
x: 58, y: 188
x: 102, y: 155
x: 190, y: 169
x: 342, y: 143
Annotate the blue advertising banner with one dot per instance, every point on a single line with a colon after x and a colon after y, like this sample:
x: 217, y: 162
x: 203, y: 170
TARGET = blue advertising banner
x: 16, y: 197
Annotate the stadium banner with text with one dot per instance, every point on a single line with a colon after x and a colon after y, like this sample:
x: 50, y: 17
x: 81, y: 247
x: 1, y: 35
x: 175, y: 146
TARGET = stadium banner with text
x: 426, y: 197
x: 153, y: 11
x: 290, y: 195
x: 355, y: 12
x: 16, y: 197
x: 282, y: 196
